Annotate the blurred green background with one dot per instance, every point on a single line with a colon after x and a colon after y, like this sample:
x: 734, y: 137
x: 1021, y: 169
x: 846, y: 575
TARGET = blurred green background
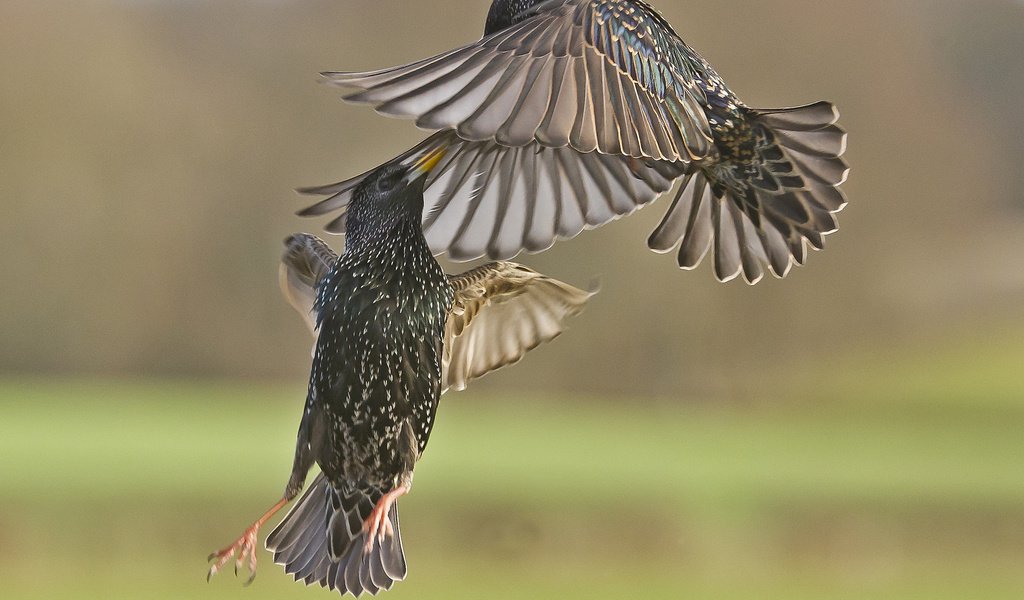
x: 854, y: 431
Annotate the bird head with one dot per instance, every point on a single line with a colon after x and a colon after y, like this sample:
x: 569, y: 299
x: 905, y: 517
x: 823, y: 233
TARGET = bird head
x: 505, y: 13
x: 392, y: 194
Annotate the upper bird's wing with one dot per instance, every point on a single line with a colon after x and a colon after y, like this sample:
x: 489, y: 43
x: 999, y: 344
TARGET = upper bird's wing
x: 489, y: 200
x: 603, y: 75
x: 501, y: 311
x: 306, y: 260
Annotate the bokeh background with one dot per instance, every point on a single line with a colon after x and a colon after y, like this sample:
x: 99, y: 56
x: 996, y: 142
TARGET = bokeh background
x: 854, y: 431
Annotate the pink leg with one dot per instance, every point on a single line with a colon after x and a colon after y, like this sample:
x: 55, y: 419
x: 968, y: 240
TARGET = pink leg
x: 378, y: 525
x: 245, y: 545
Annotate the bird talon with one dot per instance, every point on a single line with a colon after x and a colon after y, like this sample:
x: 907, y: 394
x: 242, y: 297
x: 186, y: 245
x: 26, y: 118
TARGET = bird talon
x: 221, y: 559
x: 252, y: 565
x: 240, y: 558
x: 243, y: 548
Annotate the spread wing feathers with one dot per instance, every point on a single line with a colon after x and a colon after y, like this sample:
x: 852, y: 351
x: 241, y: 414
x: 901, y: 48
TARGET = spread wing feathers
x: 321, y: 541
x: 589, y: 75
x: 495, y: 201
x: 768, y: 215
x: 486, y: 200
x: 502, y: 310
x: 306, y: 260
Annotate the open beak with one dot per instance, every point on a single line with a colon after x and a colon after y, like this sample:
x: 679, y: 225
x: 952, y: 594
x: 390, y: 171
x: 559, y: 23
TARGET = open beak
x: 426, y: 163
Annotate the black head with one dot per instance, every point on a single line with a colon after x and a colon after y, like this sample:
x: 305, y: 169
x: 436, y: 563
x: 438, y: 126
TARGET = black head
x: 505, y: 13
x: 389, y: 196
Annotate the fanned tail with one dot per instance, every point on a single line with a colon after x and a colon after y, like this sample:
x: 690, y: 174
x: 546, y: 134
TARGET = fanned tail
x: 321, y: 541
x: 762, y: 213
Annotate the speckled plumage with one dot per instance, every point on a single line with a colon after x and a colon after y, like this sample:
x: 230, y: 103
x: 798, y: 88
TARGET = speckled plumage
x: 375, y: 381
x: 504, y: 13
x: 393, y: 333
x: 568, y: 114
x: 377, y: 366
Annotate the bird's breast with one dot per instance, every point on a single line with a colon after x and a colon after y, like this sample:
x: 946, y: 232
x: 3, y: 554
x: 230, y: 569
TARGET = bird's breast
x: 377, y: 366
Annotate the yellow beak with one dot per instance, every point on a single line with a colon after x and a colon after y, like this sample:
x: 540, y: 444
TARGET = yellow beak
x: 428, y: 161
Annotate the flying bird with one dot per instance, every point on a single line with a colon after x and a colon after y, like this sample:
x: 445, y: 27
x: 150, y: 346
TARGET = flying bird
x: 393, y: 332
x: 568, y: 114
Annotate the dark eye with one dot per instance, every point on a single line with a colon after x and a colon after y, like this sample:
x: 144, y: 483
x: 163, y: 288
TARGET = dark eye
x: 388, y: 182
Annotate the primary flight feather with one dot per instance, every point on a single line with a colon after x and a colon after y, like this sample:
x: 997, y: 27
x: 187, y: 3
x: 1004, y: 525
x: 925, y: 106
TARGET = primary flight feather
x: 568, y: 114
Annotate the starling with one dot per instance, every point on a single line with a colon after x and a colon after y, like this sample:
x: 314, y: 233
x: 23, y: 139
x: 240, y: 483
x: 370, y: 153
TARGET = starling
x: 393, y: 333
x: 568, y: 114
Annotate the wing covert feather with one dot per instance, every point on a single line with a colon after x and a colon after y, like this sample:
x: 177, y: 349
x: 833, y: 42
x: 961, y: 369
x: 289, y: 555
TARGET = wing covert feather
x: 502, y: 310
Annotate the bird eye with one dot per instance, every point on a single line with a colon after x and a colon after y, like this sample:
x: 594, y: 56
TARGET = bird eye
x: 389, y: 182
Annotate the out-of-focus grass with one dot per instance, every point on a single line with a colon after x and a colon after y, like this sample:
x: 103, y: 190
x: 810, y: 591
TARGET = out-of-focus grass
x: 978, y: 370
x: 121, y: 489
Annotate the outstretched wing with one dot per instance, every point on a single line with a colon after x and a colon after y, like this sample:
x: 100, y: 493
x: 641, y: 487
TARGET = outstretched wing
x: 489, y: 200
x: 306, y: 260
x: 501, y: 311
x: 604, y: 75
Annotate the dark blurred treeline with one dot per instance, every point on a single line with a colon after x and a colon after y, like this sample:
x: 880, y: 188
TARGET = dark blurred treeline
x: 149, y: 150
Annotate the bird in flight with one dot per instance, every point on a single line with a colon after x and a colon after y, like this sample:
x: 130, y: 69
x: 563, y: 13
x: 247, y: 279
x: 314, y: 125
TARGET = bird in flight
x: 568, y: 114
x: 393, y: 333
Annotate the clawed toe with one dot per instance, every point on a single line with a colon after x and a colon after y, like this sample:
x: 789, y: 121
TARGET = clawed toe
x: 245, y: 548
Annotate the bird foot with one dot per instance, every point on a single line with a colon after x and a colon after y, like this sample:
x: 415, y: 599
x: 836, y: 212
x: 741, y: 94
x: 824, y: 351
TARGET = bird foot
x: 377, y: 526
x: 245, y: 547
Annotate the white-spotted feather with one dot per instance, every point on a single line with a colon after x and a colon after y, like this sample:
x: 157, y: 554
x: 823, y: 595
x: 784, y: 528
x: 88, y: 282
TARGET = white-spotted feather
x: 501, y: 311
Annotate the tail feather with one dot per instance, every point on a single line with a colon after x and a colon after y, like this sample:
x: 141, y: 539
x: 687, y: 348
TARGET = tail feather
x: 764, y: 213
x: 321, y: 541
x: 810, y: 117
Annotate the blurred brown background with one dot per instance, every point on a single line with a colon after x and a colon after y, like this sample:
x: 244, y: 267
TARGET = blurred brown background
x: 150, y: 149
x: 852, y: 431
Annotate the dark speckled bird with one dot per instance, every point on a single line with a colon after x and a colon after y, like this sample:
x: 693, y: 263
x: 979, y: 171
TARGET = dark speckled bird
x: 393, y: 333
x: 568, y: 114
